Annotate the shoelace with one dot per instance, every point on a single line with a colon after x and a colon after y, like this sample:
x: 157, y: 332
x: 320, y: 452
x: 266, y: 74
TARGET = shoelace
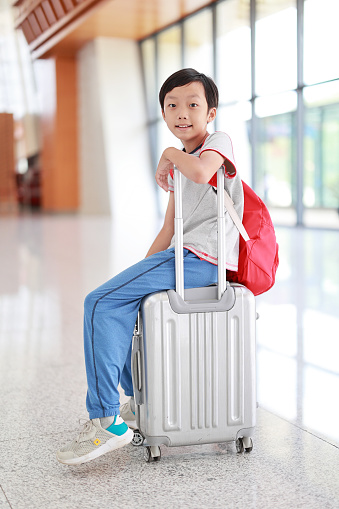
x: 87, y: 426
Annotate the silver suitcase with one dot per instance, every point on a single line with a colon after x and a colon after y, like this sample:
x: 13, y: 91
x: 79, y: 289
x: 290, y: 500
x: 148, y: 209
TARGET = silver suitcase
x: 193, y: 358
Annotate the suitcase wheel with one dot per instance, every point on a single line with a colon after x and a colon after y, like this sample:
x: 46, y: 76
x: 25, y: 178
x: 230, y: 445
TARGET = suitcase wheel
x: 244, y: 444
x: 137, y: 439
x: 152, y: 453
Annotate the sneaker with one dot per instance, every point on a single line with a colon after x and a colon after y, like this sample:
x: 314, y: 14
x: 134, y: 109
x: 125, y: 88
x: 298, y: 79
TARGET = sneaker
x: 128, y: 414
x: 94, y: 440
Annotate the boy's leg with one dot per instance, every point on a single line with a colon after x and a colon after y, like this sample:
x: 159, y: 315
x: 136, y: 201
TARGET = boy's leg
x: 126, y: 375
x: 110, y: 315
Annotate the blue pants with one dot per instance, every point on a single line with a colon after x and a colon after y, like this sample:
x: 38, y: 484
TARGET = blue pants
x: 110, y: 315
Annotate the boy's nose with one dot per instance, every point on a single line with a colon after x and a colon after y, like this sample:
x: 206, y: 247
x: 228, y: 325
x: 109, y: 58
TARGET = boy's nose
x: 182, y: 114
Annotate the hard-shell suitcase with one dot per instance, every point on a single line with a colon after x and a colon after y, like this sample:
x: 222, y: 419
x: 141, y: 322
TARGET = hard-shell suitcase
x: 193, y: 358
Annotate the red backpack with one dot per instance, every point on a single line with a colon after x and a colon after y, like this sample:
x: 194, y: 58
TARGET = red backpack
x: 258, y: 256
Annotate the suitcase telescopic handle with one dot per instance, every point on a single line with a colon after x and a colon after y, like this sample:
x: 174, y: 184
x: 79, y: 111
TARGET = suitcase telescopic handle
x: 178, y: 231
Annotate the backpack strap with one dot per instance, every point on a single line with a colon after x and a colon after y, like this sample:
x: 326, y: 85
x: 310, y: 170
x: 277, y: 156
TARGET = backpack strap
x: 229, y: 206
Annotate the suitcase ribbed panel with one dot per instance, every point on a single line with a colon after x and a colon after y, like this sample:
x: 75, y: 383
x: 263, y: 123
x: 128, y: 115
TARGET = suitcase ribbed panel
x: 203, y: 370
x: 235, y: 364
x: 171, y: 369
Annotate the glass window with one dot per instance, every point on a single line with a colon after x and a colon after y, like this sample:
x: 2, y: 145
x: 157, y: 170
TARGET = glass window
x: 198, y: 41
x: 17, y: 93
x: 233, y: 50
x: 321, y: 155
x: 276, y: 154
x: 234, y: 120
x: 148, y: 60
x: 276, y: 43
x: 321, y: 39
x: 169, y: 53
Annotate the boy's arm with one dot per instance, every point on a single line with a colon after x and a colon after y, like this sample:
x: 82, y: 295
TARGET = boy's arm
x: 199, y: 169
x: 163, y: 239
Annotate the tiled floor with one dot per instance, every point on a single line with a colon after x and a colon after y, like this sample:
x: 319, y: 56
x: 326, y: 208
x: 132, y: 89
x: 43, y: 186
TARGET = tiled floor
x: 47, y: 265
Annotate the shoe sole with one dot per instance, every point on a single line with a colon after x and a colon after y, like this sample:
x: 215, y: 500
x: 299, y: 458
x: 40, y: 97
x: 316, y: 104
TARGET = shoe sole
x: 111, y: 445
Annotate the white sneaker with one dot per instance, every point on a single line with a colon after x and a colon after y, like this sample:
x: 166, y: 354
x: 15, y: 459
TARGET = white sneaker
x: 127, y: 414
x: 94, y: 440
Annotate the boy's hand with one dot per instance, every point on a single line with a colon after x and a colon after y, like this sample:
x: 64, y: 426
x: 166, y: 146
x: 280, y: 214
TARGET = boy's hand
x: 161, y: 175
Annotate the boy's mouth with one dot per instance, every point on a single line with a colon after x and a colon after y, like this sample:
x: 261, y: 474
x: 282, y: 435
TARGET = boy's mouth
x: 183, y: 126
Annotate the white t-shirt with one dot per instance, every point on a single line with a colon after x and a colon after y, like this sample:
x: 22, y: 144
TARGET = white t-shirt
x: 199, y: 207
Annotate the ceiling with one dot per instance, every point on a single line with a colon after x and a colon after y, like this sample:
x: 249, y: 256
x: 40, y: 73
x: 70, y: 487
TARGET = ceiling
x: 133, y: 19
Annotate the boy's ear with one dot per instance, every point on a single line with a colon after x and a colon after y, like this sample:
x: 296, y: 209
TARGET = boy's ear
x: 212, y: 114
x: 163, y: 115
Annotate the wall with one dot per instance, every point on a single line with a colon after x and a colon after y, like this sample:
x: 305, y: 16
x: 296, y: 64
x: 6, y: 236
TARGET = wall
x: 94, y: 189
x: 115, y: 163
x: 56, y: 79
x: 7, y: 165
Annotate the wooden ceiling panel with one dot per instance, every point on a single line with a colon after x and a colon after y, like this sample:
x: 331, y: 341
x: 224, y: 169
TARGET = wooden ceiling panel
x: 58, y: 9
x: 41, y: 18
x: 79, y: 21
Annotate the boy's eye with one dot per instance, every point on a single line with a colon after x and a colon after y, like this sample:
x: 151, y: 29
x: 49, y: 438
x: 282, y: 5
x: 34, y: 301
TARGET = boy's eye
x: 172, y: 105
x: 193, y: 105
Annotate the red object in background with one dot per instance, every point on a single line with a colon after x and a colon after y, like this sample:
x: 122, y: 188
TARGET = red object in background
x: 29, y: 184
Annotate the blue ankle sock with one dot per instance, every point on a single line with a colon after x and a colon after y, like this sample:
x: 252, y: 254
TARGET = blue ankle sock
x: 117, y: 429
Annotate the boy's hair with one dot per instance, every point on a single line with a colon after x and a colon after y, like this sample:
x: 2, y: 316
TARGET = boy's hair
x: 185, y: 77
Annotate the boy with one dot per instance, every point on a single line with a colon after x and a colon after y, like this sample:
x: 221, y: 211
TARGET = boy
x: 189, y: 102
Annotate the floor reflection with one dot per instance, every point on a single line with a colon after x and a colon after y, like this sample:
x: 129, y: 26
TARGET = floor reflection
x: 297, y: 333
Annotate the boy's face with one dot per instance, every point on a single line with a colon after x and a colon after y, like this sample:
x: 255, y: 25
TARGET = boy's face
x: 186, y: 114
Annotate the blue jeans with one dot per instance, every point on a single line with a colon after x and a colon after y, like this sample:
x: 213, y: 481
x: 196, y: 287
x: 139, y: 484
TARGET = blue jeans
x: 110, y: 315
